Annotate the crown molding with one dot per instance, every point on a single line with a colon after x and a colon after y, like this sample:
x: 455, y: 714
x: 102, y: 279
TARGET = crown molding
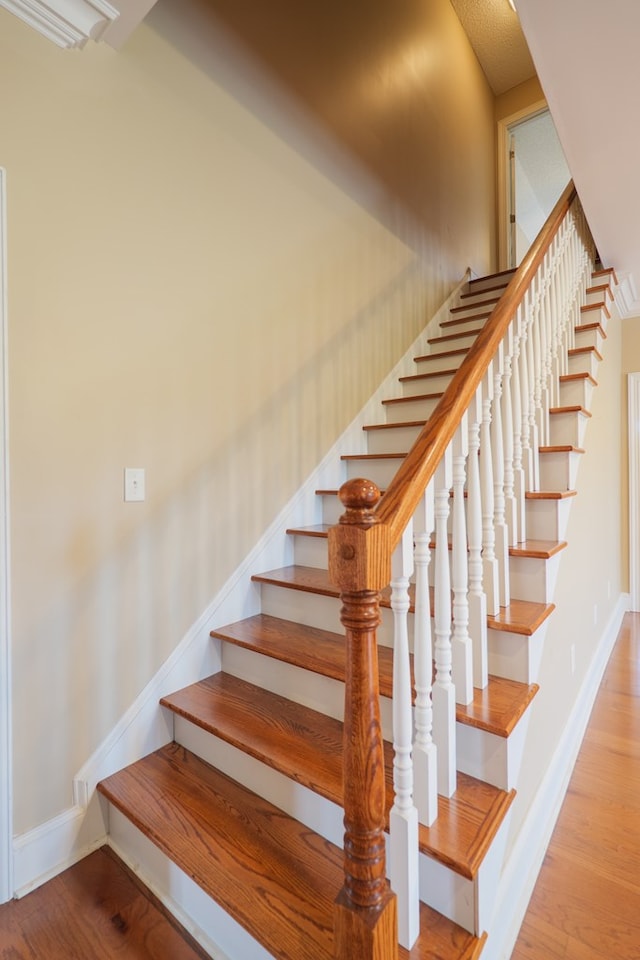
x: 68, y: 23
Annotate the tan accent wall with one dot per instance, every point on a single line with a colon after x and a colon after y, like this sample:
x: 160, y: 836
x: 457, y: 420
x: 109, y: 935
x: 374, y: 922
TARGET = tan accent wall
x: 526, y: 95
x: 203, y: 284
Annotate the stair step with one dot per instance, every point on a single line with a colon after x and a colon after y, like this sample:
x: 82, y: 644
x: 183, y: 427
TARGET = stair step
x: 274, y: 876
x: 442, y: 359
x: 450, y: 340
x: 306, y: 746
x: 496, y: 709
x: 491, y: 281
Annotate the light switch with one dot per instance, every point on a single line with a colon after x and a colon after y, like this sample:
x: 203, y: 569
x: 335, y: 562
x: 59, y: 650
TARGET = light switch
x: 134, y: 483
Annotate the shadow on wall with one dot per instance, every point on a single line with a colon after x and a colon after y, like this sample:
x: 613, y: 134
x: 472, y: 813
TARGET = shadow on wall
x: 390, y: 96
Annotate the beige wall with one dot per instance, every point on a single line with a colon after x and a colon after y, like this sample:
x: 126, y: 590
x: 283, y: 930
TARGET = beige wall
x: 199, y: 286
x: 525, y: 96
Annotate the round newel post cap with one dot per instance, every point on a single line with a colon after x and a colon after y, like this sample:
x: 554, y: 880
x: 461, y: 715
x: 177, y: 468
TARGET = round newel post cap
x: 360, y: 498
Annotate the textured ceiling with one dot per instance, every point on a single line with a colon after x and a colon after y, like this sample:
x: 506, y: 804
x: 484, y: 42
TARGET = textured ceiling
x: 494, y: 31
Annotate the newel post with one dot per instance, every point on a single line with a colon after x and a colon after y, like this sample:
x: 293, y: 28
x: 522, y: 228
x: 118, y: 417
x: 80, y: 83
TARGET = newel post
x: 365, y: 920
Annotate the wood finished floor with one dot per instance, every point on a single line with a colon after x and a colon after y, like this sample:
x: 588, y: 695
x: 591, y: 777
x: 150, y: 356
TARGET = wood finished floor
x: 95, y: 910
x: 586, y: 903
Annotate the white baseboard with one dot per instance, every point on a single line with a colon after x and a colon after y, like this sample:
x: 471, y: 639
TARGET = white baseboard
x: 525, y: 860
x: 50, y: 848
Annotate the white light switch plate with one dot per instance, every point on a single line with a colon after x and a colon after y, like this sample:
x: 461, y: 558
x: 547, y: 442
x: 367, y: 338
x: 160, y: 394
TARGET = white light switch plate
x: 134, y: 483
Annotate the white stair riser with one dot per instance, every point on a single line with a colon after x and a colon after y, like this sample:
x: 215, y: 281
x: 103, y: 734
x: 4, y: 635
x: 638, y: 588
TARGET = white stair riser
x: 600, y: 293
x: 533, y: 578
x: 454, y: 344
x: 397, y: 440
x: 417, y: 388
x: 559, y: 470
x: 584, y: 363
x: 332, y: 508
x: 432, y: 363
x: 311, y: 551
x: 578, y: 392
x: 568, y: 428
x: 451, y: 894
x: 547, y: 519
x: 590, y: 338
x: 410, y: 410
x: 488, y: 283
x: 596, y: 313
x: 472, y: 319
x: 516, y: 657
x: 488, y: 757
x: 480, y: 303
x: 381, y: 472
x: 206, y: 921
x: 315, y: 610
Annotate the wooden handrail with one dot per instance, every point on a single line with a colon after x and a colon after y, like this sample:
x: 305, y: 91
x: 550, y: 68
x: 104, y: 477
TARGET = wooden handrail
x: 403, y: 494
x: 360, y: 550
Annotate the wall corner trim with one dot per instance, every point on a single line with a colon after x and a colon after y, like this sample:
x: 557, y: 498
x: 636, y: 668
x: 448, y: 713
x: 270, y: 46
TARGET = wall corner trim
x: 68, y: 23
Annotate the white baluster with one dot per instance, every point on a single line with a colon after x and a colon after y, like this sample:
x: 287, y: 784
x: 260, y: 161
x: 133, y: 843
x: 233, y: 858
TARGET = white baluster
x: 403, y: 818
x: 523, y: 364
x: 489, y: 562
x: 497, y: 450
x: 477, y: 597
x: 460, y: 641
x: 444, y: 695
x: 519, y: 485
x: 424, y: 749
x: 534, y: 451
x: 510, y: 505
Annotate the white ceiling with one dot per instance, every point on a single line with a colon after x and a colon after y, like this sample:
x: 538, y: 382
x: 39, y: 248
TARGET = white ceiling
x: 586, y: 55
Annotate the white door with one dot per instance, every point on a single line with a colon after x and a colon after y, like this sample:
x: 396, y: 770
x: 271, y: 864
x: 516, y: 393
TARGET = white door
x: 538, y: 173
x: 6, y: 794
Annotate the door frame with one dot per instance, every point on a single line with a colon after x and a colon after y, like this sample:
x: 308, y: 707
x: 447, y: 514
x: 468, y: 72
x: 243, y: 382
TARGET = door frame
x: 6, y: 766
x: 504, y: 186
x: 633, y: 407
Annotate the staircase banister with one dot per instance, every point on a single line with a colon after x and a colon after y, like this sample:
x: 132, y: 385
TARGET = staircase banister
x: 403, y: 494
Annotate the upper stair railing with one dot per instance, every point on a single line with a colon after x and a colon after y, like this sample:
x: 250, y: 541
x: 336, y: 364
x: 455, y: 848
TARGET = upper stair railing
x: 480, y: 445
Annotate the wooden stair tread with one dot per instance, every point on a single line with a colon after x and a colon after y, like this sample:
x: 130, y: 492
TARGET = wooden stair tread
x: 274, y: 876
x: 424, y: 396
x: 586, y: 327
x: 569, y: 377
x: 521, y: 616
x: 491, y: 276
x: 445, y: 353
x: 306, y: 746
x: 456, y: 321
x: 524, y: 613
x: 496, y: 709
x: 561, y: 448
x: 549, y: 494
x: 576, y: 351
x: 390, y: 426
x: 454, y: 336
x: 572, y: 408
x: 373, y: 456
x: 589, y: 307
x: 426, y: 376
x: 489, y: 302
x: 541, y: 549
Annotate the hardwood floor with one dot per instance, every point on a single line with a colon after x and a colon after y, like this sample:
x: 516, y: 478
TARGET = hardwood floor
x: 96, y: 910
x: 586, y: 903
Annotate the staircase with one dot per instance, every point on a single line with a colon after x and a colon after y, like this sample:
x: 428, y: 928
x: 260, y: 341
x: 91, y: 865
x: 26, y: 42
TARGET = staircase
x: 242, y: 812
